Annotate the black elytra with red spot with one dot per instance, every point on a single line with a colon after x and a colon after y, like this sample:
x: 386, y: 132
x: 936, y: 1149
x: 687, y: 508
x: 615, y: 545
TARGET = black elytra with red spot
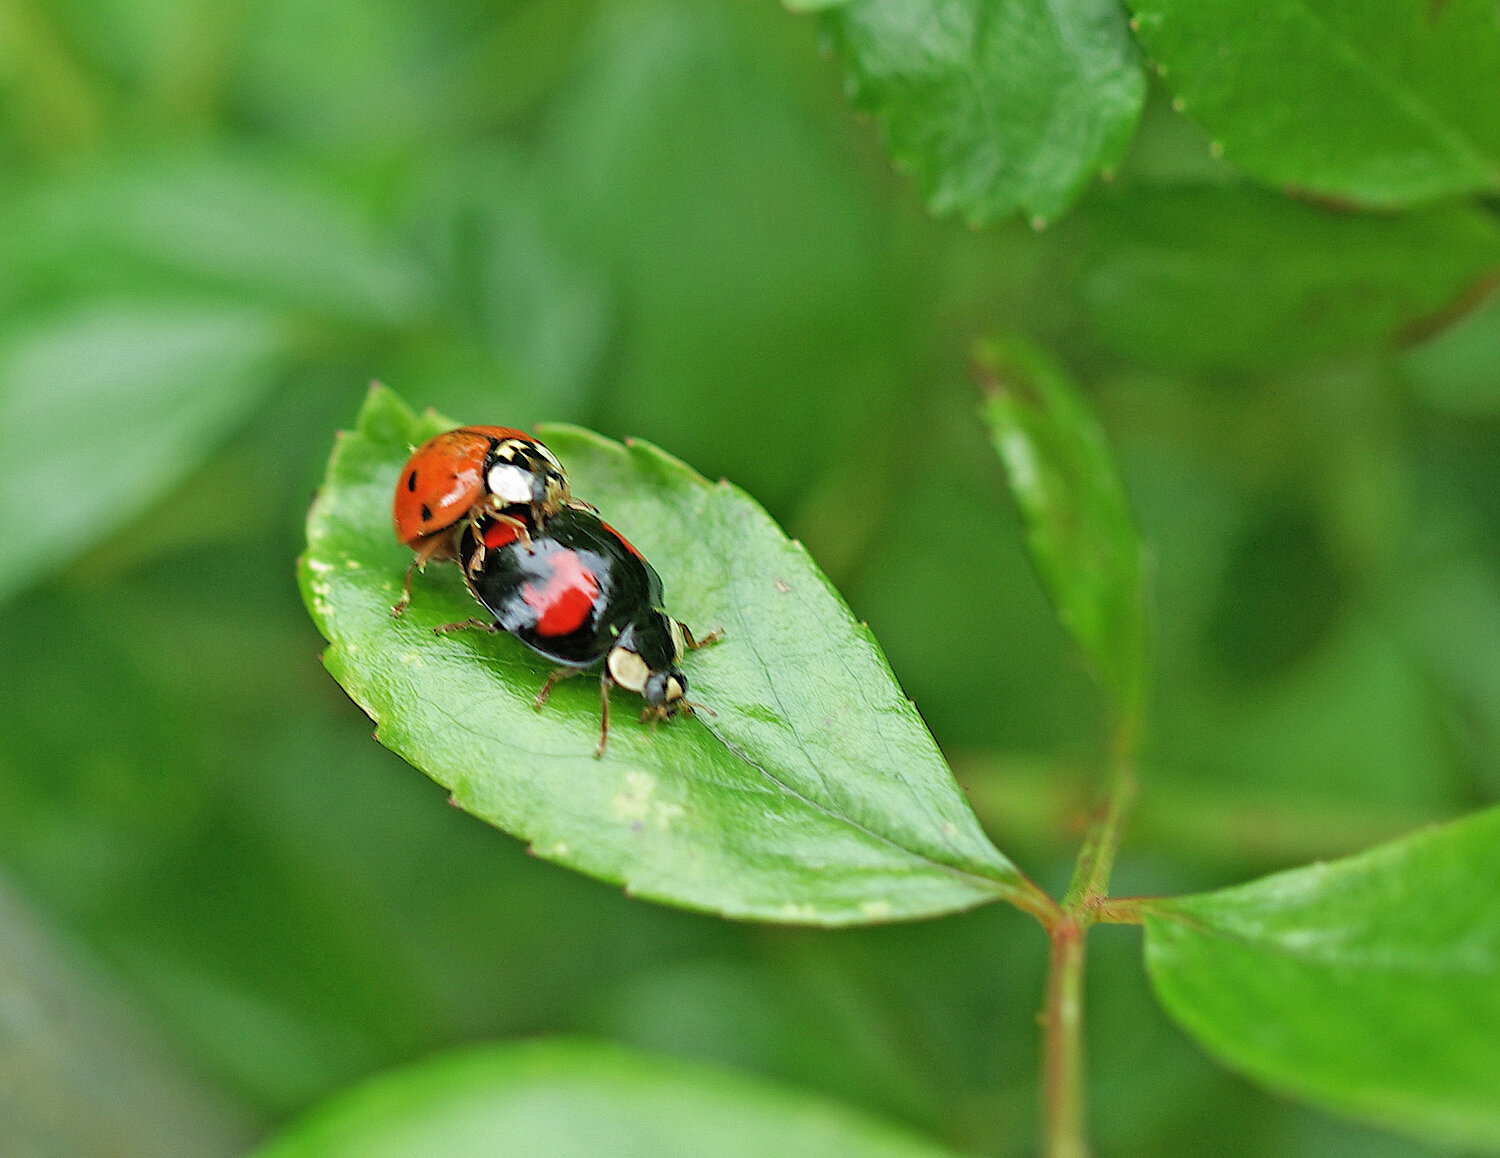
x: 575, y: 592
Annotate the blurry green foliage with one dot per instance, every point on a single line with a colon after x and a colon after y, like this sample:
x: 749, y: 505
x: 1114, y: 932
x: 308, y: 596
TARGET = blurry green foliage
x: 580, y: 1098
x: 660, y: 219
x: 1190, y: 277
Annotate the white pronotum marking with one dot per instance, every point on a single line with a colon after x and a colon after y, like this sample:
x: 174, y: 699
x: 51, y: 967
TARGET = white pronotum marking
x: 627, y: 669
x: 509, y: 483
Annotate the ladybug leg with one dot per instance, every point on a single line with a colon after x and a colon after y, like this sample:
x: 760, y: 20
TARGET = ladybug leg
x: 476, y: 560
x: 436, y: 547
x: 694, y: 644
x: 604, y: 682
x: 523, y: 532
x: 476, y: 624
x: 401, y: 604
x: 556, y: 677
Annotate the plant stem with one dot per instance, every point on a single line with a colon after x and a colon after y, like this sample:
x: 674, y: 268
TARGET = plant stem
x: 1064, y: 1109
x: 1096, y: 860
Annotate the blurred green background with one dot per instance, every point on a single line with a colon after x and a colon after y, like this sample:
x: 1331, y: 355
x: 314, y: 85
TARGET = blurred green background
x: 221, y: 220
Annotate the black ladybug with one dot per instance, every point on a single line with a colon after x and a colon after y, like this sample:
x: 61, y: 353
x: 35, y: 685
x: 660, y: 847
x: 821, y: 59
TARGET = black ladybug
x: 578, y: 592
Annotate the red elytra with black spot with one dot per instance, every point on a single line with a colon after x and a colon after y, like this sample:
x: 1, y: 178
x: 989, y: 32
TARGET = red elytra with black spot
x: 444, y: 480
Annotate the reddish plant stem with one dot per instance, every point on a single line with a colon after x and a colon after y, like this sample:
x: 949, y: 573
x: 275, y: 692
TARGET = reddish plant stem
x: 1063, y: 1111
x: 1064, y: 1106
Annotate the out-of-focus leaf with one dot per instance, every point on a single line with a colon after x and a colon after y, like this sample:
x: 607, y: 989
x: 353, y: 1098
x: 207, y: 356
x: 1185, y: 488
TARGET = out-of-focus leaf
x: 1023, y: 683
x: 1226, y: 276
x: 571, y: 1099
x: 1380, y: 102
x: 994, y: 106
x: 1449, y: 620
x: 1370, y: 986
x: 379, y: 76
x: 1082, y: 537
x: 818, y: 797
x: 233, y: 222
x: 1458, y: 370
x: 489, y: 228
x: 104, y: 408
x: 83, y: 1077
x: 723, y: 308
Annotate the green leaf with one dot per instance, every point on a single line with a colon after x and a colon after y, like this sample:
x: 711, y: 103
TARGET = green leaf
x: 1221, y: 276
x: 994, y: 106
x: 1380, y: 102
x: 1082, y: 537
x: 559, y: 1099
x: 105, y: 407
x: 1370, y: 986
x: 817, y: 797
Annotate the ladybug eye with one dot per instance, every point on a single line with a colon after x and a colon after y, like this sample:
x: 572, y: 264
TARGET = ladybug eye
x: 411, y: 481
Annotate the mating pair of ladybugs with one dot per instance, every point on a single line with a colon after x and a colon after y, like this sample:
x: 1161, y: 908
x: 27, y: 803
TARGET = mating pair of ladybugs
x: 545, y: 566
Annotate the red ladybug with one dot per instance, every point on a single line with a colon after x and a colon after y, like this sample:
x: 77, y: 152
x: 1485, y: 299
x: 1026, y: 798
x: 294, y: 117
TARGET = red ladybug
x: 468, y: 474
x: 577, y: 592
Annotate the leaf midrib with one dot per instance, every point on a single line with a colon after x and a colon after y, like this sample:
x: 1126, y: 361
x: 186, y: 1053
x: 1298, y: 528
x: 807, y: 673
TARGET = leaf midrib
x: 736, y: 609
x: 995, y: 885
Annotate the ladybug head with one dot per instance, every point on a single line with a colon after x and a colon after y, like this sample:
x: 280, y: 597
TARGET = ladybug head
x: 523, y: 472
x: 645, y: 659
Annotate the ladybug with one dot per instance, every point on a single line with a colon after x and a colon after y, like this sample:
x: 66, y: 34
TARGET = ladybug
x: 463, y: 475
x: 577, y: 592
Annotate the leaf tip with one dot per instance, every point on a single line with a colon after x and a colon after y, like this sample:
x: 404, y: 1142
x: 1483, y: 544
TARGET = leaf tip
x: 1007, y: 369
x: 385, y: 416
